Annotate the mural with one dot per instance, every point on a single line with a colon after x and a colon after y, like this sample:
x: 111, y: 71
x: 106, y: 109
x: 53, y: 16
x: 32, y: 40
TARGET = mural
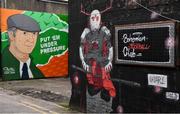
x: 96, y: 56
x: 145, y: 72
x: 34, y: 44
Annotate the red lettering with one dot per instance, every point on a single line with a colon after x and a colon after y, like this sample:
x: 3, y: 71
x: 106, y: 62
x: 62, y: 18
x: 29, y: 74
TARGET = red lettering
x: 138, y: 46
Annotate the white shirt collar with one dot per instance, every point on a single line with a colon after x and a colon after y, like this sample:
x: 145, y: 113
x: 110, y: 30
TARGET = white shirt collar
x: 29, y: 70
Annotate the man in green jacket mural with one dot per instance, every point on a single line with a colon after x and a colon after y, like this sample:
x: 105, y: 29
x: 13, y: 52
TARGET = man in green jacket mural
x: 17, y: 62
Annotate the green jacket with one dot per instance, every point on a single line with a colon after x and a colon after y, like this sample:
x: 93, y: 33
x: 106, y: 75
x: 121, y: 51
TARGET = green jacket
x: 10, y: 67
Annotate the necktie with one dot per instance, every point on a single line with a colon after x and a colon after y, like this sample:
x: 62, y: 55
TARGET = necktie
x: 25, y: 74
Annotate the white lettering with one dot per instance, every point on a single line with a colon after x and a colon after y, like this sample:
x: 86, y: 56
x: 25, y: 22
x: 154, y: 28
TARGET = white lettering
x: 49, y: 44
x: 52, y: 49
x: 129, y: 52
x: 134, y: 37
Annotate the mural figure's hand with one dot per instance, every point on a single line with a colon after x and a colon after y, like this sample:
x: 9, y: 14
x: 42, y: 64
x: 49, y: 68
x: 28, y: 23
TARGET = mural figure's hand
x: 85, y: 66
x: 108, y: 67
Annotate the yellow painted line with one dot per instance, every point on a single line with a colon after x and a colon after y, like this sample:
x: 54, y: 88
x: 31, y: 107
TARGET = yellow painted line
x: 35, y: 109
x: 39, y: 107
x: 61, y: 106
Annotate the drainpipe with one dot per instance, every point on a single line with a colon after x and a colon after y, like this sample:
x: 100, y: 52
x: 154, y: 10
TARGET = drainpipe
x: 5, y: 3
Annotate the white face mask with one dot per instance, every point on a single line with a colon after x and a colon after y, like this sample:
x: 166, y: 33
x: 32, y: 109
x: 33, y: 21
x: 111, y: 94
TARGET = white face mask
x: 95, y: 20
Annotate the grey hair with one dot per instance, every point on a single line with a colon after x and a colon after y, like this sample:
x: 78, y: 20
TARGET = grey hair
x: 13, y: 29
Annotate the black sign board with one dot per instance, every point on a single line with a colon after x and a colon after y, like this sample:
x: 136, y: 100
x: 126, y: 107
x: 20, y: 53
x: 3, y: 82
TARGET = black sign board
x: 146, y: 44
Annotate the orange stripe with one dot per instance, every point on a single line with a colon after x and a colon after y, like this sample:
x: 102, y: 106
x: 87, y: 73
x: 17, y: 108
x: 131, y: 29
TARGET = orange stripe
x: 57, y: 67
x: 5, y: 13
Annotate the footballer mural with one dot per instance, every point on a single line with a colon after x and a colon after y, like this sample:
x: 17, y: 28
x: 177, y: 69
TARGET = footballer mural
x: 32, y: 46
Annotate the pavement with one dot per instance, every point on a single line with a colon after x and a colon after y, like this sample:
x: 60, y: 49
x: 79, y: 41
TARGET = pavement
x: 52, y: 90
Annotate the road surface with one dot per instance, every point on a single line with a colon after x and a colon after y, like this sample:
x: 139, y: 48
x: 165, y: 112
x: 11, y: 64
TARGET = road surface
x: 11, y: 102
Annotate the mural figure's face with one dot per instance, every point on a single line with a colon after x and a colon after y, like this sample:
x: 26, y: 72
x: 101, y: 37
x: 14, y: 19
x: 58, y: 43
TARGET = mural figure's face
x: 25, y: 41
x: 95, y: 20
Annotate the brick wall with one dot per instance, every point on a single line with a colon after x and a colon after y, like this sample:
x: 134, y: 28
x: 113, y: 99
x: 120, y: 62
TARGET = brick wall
x: 36, y: 5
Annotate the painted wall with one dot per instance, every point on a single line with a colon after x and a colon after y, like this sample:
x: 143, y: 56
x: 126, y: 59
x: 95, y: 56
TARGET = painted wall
x: 130, y: 98
x: 50, y: 54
